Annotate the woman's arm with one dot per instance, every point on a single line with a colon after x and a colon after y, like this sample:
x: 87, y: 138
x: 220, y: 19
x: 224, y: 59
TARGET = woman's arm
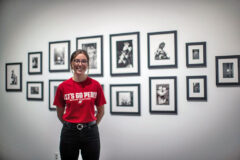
x: 100, y: 113
x: 60, y: 112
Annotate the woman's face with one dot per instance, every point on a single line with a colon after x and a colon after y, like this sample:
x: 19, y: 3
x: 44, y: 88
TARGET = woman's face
x: 79, y: 64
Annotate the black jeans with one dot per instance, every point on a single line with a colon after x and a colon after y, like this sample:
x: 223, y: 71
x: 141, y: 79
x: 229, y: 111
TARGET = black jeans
x: 72, y: 140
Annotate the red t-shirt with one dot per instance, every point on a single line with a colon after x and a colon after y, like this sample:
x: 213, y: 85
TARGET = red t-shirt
x: 79, y: 99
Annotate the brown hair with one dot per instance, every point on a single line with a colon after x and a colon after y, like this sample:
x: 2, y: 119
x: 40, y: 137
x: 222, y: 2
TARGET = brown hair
x: 76, y: 53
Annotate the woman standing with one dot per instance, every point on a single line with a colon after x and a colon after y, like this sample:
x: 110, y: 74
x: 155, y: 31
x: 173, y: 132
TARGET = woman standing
x: 75, y: 100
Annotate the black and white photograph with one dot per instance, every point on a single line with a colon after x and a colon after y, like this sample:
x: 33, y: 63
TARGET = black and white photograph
x: 94, y: 47
x: 35, y: 63
x: 162, y: 49
x: 196, y: 54
x: 163, y: 95
x: 53, y: 85
x: 197, y: 88
x: 59, y: 56
x: 228, y: 70
x: 124, y: 54
x: 35, y: 90
x: 125, y: 99
x: 13, y: 72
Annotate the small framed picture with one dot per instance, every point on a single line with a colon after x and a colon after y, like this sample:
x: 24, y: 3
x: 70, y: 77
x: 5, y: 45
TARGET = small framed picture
x: 125, y: 99
x: 35, y: 91
x: 13, y: 73
x: 35, y: 63
x: 196, y: 54
x: 124, y: 54
x: 162, y: 49
x: 59, y: 56
x: 53, y: 85
x: 94, y: 47
x: 196, y: 87
x: 163, y: 95
x: 228, y: 70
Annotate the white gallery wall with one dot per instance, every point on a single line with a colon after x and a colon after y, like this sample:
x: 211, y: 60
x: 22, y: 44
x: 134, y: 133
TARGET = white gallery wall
x: 202, y: 130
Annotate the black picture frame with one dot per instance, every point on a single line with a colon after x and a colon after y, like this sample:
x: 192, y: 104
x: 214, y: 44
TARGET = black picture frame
x: 125, y: 54
x: 196, y: 88
x: 125, y: 99
x: 13, y: 77
x: 163, y: 95
x: 53, y: 84
x: 35, y: 90
x: 228, y: 70
x: 94, y: 47
x: 59, y: 56
x: 196, y: 54
x: 162, y: 49
x: 35, y: 62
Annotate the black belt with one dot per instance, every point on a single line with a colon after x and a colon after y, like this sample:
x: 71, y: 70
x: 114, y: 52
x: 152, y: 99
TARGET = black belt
x: 80, y: 126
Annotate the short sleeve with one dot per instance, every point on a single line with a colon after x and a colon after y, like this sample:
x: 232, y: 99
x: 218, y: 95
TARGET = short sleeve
x: 100, y: 100
x: 59, y: 98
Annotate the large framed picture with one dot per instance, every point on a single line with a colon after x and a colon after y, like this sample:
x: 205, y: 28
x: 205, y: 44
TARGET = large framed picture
x: 228, y: 70
x: 124, y: 54
x: 94, y: 47
x: 125, y: 99
x: 53, y: 85
x: 59, y: 56
x: 163, y: 95
x: 35, y: 91
x: 162, y: 49
x: 35, y: 63
x: 196, y: 54
x: 13, y: 76
x: 196, y: 87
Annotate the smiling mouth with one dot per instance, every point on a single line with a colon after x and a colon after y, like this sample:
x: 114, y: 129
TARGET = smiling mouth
x: 79, y: 69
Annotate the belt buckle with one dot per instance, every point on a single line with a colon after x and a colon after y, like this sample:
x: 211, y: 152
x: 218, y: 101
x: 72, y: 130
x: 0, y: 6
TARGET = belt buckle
x: 80, y: 126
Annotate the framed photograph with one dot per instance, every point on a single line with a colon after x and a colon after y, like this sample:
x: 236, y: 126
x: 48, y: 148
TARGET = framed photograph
x: 125, y: 99
x: 228, y: 70
x: 196, y: 54
x: 59, y: 56
x: 53, y: 85
x: 162, y: 49
x: 13, y: 76
x: 35, y: 63
x: 163, y: 95
x: 124, y: 54
x: 35, y: 91
x: 94, y: 47
x: 196, y: 87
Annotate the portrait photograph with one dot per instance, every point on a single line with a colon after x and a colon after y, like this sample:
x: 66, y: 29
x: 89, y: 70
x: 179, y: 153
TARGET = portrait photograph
x: 124, y: 54
x: 162, y: 91
x: 125, y: 99
x: 228, y: 70
x: 59, y: 56
x: 162, y: 49
x: 163, y: 95
x: 35, y: 63
x: 197, y: 88
x: 94, y: 47
x: 13, y: 75
x: 196, y: 54
x: 35, y: 90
